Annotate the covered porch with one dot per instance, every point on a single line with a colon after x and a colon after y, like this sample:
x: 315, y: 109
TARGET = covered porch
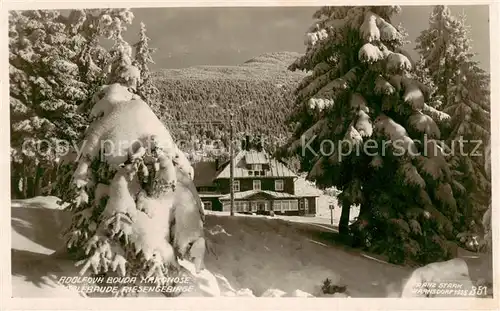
x: 264, y: 202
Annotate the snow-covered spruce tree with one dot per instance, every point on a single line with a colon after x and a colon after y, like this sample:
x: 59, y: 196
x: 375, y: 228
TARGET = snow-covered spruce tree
x: 45, y: 91
x: 56, y: 64
x: 361, y: 99
x: 123, y: 187
x: 142, y: 59
x: 486, y: 241
x: 422, y: 74
x: 464, y: 88
x: 87, y: 27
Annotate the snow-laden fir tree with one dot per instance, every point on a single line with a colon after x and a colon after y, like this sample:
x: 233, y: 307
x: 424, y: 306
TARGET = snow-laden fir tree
x: 44, y: 93
x: 487, y: 239
x: 464, y: 88
x: 119, y: 67
x: 360, y: 95
x: 422, y: 74
x: 142, y: 59
x: 123, y: 186
x: 55, y: 64
x: 89, y: 27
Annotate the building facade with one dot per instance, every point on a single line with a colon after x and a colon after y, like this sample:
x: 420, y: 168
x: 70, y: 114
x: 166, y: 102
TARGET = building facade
x: 262, y: 185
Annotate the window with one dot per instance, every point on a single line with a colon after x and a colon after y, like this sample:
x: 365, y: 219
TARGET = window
x: 257, y: 167
x: 256, y: 185
x: 241, y: 206
x: 278, y: 185
x: 250, y: 173
x: 236, y: 185
x: 277, y: 206
x: 286, y: 205
x: 306, y: 204
x: 207, y: 205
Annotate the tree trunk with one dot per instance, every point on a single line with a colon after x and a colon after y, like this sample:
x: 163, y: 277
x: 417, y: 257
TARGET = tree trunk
x: 15, y: 180
x: 30, y: 187
x: 25, y: 186
x: 364, y: 209
x: 344, y: 218
x: 37, y: 183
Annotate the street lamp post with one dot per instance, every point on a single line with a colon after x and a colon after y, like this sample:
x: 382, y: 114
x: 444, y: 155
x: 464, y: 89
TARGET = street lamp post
x: 231, y: 162
x: 231, y: 150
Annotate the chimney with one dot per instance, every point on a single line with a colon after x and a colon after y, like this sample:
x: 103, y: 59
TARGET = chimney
x: 247, y: 142
x: 259, y: 146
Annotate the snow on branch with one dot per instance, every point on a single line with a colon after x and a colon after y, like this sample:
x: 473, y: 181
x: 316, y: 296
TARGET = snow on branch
x: 375, y: 28
x: 383, y: 87
x: 396, y: 133
x: 411, y: 175
x: 413, y: 95
x: 326, y: 96
x: 317, y: 84
x: 397, y: 62
x: 424, y: 124
x: 370, y: 53
x: 435, y: 114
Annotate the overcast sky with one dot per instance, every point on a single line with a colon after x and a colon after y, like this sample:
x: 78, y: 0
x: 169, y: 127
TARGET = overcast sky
x: 229, y: 36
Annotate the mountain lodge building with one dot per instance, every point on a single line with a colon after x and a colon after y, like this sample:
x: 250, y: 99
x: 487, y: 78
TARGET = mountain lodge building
x: 261, y: 185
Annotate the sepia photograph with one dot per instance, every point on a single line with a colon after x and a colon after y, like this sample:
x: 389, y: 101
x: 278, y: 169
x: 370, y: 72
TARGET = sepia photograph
x: 307, y: 152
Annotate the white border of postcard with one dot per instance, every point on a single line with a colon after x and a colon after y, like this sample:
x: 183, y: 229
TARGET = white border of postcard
x: 235, y: 303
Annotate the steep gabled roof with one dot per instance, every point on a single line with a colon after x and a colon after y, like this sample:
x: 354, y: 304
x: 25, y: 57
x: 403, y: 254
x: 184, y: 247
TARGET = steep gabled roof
x: 276, y: 168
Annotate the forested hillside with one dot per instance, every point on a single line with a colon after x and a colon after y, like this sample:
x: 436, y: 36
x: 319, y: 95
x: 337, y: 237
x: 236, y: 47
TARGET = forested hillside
x: 194, y: 100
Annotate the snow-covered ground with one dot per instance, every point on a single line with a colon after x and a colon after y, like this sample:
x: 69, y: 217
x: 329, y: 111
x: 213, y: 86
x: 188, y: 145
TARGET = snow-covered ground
x: 323, y: 202
x: 247, y: 256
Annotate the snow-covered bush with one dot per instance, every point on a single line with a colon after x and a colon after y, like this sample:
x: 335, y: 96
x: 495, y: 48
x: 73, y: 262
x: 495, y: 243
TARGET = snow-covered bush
x: 123, y: 189
x: 327, y: 287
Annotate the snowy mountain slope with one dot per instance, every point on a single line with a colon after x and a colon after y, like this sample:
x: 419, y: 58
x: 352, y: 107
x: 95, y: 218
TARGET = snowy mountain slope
x: 254, y: 86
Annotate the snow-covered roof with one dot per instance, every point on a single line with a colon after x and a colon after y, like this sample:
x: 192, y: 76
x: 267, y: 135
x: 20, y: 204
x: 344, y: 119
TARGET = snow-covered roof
x: 276, y: 168
x: 255, y: 157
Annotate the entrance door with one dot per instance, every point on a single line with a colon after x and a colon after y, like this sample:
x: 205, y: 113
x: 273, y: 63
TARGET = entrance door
x: 261, y: 206
x: 301, y: 207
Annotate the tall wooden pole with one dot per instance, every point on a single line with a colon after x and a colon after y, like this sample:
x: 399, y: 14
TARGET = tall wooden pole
x: 231, y: 163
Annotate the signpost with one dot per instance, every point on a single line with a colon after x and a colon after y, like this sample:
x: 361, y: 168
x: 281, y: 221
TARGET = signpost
x: 331, y: 213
